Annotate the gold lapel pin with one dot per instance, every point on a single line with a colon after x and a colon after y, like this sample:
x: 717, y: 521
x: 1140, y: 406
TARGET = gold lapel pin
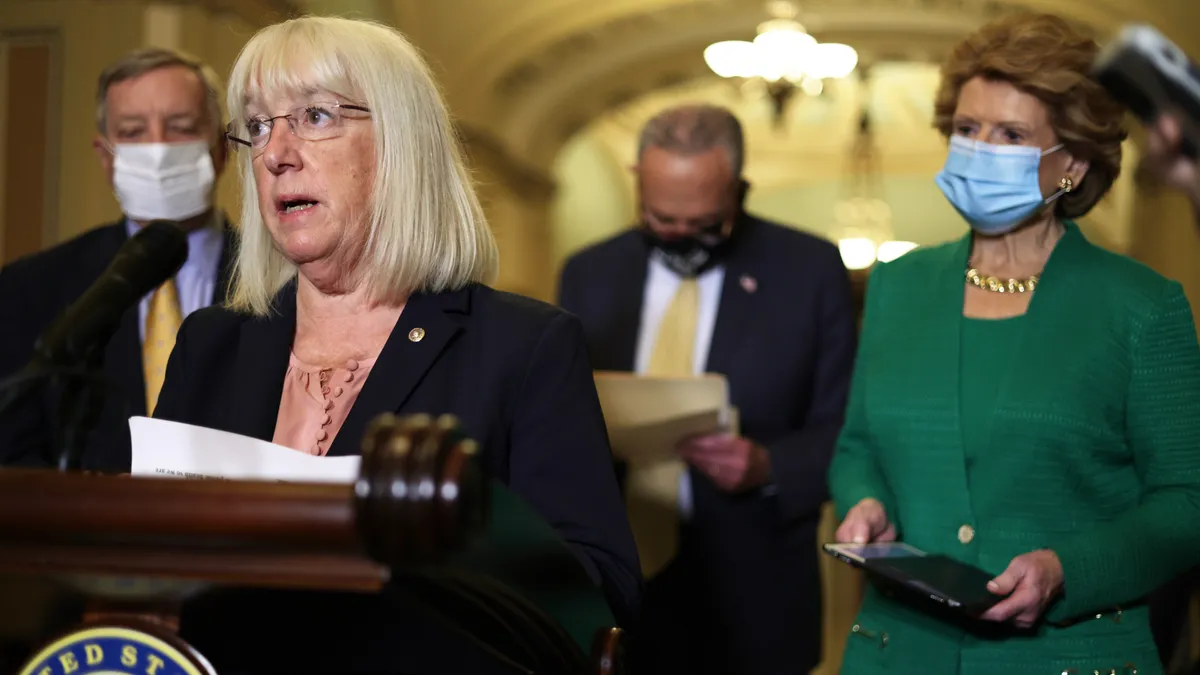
x: 416, y: 334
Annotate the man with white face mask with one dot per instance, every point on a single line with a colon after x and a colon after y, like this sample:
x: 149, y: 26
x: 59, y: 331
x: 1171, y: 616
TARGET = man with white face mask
x: 161, y: 146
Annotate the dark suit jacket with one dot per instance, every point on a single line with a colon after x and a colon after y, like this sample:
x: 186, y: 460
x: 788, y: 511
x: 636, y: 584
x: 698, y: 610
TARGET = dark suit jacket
x: 515, y: 373
x: 33, y: 292
x: 745, y: 579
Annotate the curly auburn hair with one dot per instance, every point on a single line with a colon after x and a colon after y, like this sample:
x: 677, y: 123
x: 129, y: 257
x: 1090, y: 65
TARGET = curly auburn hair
x: 1041, y: 55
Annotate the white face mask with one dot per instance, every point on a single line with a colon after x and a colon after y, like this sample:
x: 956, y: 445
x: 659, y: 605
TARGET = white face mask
x: 167, y: 181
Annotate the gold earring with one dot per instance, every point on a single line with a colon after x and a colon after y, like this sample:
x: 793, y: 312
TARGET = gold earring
x: 1066, y: 184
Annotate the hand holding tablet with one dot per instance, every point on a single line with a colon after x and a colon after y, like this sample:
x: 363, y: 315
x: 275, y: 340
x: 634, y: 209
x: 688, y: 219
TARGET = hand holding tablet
x: 867, y: 540
x: 1031, y: 582
x: 867, y: 521
x: 957, y: 585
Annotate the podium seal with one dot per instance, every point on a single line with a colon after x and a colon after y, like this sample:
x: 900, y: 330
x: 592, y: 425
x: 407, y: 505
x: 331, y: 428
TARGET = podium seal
x: 112, y: 651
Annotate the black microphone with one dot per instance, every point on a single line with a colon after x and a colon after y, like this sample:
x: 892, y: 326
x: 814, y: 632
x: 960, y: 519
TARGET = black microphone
x: 150, y: 257
x: 70, y: 350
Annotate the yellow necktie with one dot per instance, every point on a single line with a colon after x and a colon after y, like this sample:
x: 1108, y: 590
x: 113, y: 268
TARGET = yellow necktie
x: 162, y: 323
x: 652, y: 489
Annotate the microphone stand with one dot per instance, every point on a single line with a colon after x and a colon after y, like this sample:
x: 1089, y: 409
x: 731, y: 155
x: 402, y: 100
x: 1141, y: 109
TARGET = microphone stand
x: 79, y: 382
x: 80, y: 402
x: 70, y: 352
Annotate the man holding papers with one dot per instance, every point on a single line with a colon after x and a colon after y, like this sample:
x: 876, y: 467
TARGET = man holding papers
x: 743, y: 333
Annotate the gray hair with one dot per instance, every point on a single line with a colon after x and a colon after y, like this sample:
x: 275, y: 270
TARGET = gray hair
x: 142, y: 61
x: 694, y: 129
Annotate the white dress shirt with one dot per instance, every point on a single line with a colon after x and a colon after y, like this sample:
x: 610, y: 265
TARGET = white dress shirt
x: 661, y: 284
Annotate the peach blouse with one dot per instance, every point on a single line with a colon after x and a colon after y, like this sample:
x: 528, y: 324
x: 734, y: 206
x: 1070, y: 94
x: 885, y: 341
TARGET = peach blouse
x: 315, y: 403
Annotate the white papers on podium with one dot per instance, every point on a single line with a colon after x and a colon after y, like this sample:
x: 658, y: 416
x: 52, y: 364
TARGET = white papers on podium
x: 647, y: 416
x: 164, y: 449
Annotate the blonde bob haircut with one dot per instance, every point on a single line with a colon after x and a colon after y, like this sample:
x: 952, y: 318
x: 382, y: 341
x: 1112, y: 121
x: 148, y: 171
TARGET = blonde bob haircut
x: 427, y: 229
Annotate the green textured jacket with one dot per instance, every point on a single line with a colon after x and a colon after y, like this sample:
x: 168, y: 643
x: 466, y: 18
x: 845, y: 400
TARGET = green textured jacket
x: 1093, y: 452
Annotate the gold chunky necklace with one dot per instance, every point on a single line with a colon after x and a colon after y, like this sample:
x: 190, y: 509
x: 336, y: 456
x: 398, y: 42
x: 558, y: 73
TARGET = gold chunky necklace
x: 998, y: 285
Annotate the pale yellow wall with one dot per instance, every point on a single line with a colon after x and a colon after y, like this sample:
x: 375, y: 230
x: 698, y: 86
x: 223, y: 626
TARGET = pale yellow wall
x: 919, y: 211
x: 215, y: 39
x: 3, y: 136
x: 92, y: 34
x: 517, y: 202
x: 593, y: 200
x: 1167, y: 238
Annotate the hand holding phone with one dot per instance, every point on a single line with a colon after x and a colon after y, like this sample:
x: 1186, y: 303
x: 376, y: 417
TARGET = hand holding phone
x: 1151, y: 75
x: 949, y: 583
x: 1165, y: 158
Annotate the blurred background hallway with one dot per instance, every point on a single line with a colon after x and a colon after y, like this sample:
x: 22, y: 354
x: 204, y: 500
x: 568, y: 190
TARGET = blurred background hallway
x: 549, y: 96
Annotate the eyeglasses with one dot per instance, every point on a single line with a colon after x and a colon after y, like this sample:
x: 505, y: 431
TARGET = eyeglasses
x: 312, y: 122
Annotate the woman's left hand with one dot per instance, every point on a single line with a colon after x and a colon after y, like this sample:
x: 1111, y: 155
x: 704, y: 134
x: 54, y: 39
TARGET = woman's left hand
x: 1030, y: 582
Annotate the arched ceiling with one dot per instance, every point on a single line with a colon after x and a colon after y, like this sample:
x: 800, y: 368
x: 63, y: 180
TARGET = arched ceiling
x: 815, y: 137
x: 530, y: 73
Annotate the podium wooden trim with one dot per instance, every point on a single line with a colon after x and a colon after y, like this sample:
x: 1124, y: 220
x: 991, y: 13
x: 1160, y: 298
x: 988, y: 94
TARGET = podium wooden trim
x: 250, y: 533
x: 420, y: 498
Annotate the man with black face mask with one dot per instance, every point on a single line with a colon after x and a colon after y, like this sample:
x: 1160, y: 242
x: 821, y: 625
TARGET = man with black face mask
x: 694, y: 251
x: 702, y: 286
x: 161, y: 144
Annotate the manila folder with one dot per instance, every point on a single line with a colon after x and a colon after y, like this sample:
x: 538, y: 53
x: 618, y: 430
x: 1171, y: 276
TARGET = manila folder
x: 647, y: 416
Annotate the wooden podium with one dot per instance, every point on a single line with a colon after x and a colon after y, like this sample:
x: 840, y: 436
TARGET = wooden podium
x: 94, y: 570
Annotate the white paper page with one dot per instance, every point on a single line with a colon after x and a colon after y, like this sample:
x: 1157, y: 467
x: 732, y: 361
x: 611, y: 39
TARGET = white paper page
x: 164, y: 449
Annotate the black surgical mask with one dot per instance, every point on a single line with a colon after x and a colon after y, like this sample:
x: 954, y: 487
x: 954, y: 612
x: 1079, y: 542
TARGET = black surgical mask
x: 694, y: 254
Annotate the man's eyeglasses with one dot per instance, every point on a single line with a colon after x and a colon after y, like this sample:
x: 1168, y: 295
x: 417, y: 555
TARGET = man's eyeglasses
x: 312, y: 122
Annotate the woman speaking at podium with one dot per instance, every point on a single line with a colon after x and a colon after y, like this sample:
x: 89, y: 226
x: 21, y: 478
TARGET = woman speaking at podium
x: 360, y: 289
x: 1024, y: 401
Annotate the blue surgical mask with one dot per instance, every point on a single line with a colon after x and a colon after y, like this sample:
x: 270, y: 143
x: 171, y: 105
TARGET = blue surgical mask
x: 994, y: 187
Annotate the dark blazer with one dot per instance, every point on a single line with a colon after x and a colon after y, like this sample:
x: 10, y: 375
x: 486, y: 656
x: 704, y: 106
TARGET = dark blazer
x: 33, y: 292
x: 745, y: 583
x: 514, y: 371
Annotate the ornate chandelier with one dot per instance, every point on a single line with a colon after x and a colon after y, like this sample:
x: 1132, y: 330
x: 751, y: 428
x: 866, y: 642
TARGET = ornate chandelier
x: 864, y: 219
x: 783, y: 55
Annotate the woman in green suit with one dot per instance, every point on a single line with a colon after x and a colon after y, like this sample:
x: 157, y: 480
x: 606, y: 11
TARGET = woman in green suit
x: 1023, y: 400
